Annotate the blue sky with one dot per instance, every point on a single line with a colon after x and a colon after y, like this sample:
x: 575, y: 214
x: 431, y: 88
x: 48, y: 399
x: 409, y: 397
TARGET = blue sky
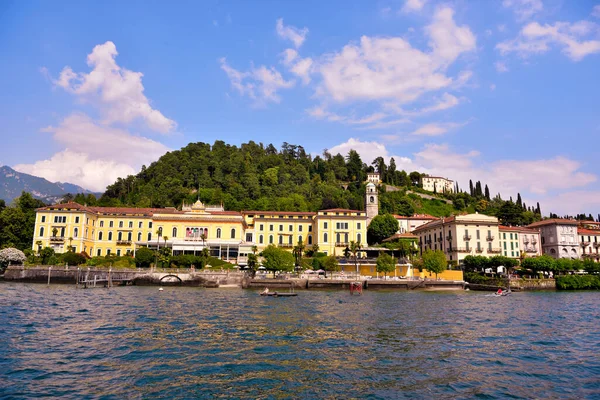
x: 504, y: 91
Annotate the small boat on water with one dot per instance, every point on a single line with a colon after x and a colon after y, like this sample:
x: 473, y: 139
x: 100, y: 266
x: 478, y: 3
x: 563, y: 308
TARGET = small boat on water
x: 278, y: 294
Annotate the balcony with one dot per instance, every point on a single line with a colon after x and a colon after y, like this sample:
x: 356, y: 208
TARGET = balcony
x: 585, y: 244
x: 489, y: 238
x: 525, y: 240
x: 533, y: 241
x: 57, y: 239
x: 449, y: 238
x: 495, y: 250
x: 588, y: 255
x: 479, y: 250
x: 123, y: 242
x: 342, y: 244
x: 531, y: 250
x: 450, y: 249
x: 467, y: 237
x: 462, y: 249
x: 285, y: 245
x: 597, y: 244
x: 194, y: 239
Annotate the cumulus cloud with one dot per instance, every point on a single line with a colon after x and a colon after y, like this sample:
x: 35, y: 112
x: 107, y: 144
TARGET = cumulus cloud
x: 501, y: 67
x: 94, y: 155
x: 413, y: 6
x: 118, y: 91
x: 297, y: 36
x: 524, y: 9
x: 557, y: 182
x: 259, y: 84
x: 596, y: 11
x: 535, y: 38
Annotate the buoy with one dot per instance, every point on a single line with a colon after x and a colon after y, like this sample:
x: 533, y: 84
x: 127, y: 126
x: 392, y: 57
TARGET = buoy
x: 160, y: 289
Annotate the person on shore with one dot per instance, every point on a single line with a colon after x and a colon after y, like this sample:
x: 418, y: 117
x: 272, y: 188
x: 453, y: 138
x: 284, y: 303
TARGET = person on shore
x: 266, y: 291
x: 499, y: 291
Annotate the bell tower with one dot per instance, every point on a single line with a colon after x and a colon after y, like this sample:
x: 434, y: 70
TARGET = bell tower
x: 371, y: 202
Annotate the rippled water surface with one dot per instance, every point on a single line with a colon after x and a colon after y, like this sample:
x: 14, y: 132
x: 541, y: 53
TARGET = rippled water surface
x: 137, y: 342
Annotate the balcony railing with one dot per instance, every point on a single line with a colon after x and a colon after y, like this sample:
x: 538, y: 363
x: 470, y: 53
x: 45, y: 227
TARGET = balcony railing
x: 597, y: 244
x: 585, y: 244
x: 467, y: 237
x: 479, y: 250
x: 193, y: 239
x: 495, y: 250
x: 534, y: 241
x: 123, y: 242
x: 489, y: 238
x: 285, y: 245
x: 525, y: 240
x: 462, y: 249
x: 450, y: 249
x: 57, y: 239
x: 342, y: 244
x: 449, y: 237
x: 531, y: 250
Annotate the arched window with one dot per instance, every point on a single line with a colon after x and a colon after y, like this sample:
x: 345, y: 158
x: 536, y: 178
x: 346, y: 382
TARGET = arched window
x: 325, y: 237
x: 99, y: 235
x: 552, y: 251
x: 309, y: 239
x: 270, y: 239
x: 42, y: 231
x: 300, y: 238
x: 260, y: 239
x: 110, y: 235
x: 280, y: 239
x: 290, y: 239
x: 149, y: 236
x: 174, y: 233
x: 338, y: 239
x: 75, y: 232
x: 139, y: 236
x: 218, y: 233
x: 233, y: 233
x: 358, y: 237
x: 129, y: 236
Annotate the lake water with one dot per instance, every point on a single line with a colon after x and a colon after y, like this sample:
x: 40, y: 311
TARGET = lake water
x: 138, y: 342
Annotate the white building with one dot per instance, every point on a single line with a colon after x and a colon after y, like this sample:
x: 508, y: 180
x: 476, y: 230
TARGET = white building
x: 437, y: 184
x: 409, y: 224
x: 589, y: 239
x: 559, y: 237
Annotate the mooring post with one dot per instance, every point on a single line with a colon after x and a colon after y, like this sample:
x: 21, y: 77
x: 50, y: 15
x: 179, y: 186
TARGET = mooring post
x: 49, y: 272
x: 95, y: 276
x: 87, y: 277
x: 77, y: 278
x: 109, y: 283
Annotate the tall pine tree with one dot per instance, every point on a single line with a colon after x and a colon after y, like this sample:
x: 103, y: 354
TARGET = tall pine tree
x: 471, y: 187
x: 487, y: 193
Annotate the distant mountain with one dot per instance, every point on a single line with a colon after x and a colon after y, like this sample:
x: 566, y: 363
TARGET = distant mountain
x: 12, y: 183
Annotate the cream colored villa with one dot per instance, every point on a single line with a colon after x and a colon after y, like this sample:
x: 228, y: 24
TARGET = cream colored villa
x: 437, y: 184
x: 229, y: 235
x: 461, y: 235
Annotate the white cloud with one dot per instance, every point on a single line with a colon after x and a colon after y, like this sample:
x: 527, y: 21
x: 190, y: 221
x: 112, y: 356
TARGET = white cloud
x: 435, y: 129
x: 94, y: 155
x: 389, y: 68
x: 535, y: 38
x: 501, y: 67
x: 118, y: 91
x: 369, y: 151
x: 289, y: 55
x: 571, y: 203
x: 260, y: 84
x: 524, y: 9
x: 303, y: 69
x: 493, y: 87
x: 596, y: 11
x: 297, y: 36
x: 413, y: 5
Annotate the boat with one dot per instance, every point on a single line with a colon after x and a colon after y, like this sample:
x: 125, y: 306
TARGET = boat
x: 278, y: 294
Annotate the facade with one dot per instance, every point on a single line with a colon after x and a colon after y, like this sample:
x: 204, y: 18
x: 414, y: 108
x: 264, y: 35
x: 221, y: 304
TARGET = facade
x: 373, y: 177
x: 409, y: 224
x: 437, y: 184
x: 229, y: 235
x: 559, y: 237
x: 589, y: 239
x: 517, y: 240
x: 461, y: 235
x: 371, y: 201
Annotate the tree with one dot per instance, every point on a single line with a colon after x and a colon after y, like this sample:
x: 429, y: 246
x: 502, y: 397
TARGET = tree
x: 434, y: 261
x: 385, y: 263
x: 471, y: 192
x: 10, y: 256
x: 276, y: 259
x: 475, y: 263
x: 298, y: 250
x: 46, y: 254
x: 330, y: 264
x: 354, y: 249
x: 144, y: 257
x: 72, y: 258
x: 487, y: 193
x: 381, y: 227
x: 252, y: 263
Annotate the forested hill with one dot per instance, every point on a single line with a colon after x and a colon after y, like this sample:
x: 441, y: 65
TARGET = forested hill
x: 258, y: 177
x: 251, y: 177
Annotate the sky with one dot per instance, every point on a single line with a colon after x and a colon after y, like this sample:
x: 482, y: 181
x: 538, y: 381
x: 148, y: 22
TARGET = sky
x: 505, y: 91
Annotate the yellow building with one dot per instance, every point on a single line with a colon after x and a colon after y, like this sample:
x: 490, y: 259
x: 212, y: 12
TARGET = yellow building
x: 229, y: 235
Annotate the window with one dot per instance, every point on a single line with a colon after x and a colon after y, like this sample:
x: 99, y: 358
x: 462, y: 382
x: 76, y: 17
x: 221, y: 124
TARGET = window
x: 218, y: 233
x: 120, y: 224
x: 140, y: 225
x: 325, y: 225
x: 150, y: 225
x: 261, y: 227
x: 139, y: 236
x: 99, y: 235
x: 504, y: 245
x: 299, y: 228
x: 510, y: 236
x: 118, y: 252
x: 101, y: 225
x: 233, y: 233
x: 99, y: 252
x: 120, y: 236
x: 270, y: 239
x: 271, y: 228
x: 290, y: 239
x: 109, y: 236
x: 280, y: 228
x: 325, y: 237
x: 174, y: 232
x: 310, y: 228
x: 309, y: 239
x: 358, y: 225
x: 477, y: 234
x: 358, y: 238
x: 110, y: 224
x: 108, y: 252
x: 130, y: 224
x: 87, y: 222
x: 76, y: 220
x: 300, y: 238
x: 337, y: 237
x: 43, y: 218
x: 149, y: 236
x: 260, y: 239
x: 280, y: 239
x: 248, y: 237
x: 129, y: 236
x: 291, y: 228
x: 42, y: 231
x: 75, y: 232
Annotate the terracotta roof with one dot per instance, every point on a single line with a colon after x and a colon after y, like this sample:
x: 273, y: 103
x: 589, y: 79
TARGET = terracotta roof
x: 400, y: 236
x: 340, y: 210
x: 583, y: 231
x: 423, y: 216
x: 70, y: 205
x: 400, y: 216
x: 224, y: 213
x: 516, y: 229
x: 551, y: 221
x: 279, y: 212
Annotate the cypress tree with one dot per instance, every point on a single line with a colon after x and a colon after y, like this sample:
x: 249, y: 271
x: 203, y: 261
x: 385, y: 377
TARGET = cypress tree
x: 487, y: 192
x: 471, y: 187
x: 478, y: 191
x: 519, y: 202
